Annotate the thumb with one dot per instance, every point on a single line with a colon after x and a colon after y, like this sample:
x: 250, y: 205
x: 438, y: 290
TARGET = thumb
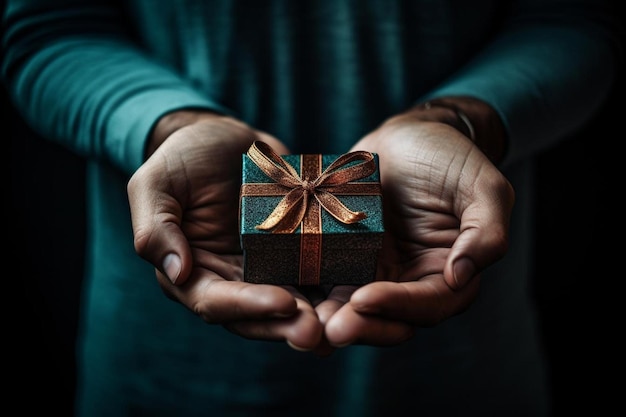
x: 472, y: 252
x: 156, y: 218
x: 484, y: 240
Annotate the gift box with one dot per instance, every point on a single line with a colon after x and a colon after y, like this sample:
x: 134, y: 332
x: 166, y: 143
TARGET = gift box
x: 310, y: 219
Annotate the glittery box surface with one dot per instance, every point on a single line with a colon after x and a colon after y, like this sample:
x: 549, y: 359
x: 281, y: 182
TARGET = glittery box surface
x: 345, y: 253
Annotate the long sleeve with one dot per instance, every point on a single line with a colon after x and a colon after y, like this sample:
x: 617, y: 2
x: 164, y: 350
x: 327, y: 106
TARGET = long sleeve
x: 81, y: 77
x: 77, y: 78
x: 319, y: 75
x: 547, y: 73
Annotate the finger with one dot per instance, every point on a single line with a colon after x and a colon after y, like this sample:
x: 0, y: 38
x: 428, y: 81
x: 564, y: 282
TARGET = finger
x: 483, y: 238
x: 425, y: 303
x: 218, y: 301
x: 387, y: 313
x: 336, y: 298
x: 302, y: 331
x: 348, y: 327
x: 155, y: 217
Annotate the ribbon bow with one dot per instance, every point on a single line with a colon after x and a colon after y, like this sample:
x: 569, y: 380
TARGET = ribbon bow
x: 292, y: 209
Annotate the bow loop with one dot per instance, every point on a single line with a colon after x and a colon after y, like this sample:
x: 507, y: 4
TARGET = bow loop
x: 340, y: 172
x: 273, y: 165
x: 288, y: 214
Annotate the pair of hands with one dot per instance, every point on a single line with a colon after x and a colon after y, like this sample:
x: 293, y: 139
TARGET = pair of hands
x: 446, y: 209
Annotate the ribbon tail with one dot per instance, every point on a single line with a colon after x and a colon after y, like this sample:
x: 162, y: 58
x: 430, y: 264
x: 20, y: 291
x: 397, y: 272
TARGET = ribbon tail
x: 288, y: 214
x: 337, y: 209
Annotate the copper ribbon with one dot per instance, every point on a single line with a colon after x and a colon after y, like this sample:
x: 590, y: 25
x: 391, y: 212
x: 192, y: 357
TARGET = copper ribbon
x: 298, y: 208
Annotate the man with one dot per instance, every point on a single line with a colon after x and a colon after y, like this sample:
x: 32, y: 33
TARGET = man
x: 454, y: 98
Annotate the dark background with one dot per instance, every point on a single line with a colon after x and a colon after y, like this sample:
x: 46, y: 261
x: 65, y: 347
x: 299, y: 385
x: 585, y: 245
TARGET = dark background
x: 577, y: 285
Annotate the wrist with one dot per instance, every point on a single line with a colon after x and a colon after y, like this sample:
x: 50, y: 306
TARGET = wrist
x: 460, y: 121
x: 474, y: 118
x: 173, y: 121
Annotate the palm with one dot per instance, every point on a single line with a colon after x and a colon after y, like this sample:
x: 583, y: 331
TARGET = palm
x: 419, y: 212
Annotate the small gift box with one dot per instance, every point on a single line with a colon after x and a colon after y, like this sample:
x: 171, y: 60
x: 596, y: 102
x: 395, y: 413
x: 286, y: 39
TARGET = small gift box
x: 310, y: 219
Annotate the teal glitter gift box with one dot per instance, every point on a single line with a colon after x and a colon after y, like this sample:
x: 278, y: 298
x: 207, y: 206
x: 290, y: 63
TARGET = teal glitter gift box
x: 310, y: 219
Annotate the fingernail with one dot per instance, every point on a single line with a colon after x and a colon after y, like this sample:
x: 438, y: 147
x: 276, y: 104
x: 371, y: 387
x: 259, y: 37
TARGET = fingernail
x: 296, y: 347
x: 464, y: 269
x: 171, y: 266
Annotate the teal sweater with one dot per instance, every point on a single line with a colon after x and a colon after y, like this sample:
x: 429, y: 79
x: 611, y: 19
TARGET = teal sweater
x: 94, y: 76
